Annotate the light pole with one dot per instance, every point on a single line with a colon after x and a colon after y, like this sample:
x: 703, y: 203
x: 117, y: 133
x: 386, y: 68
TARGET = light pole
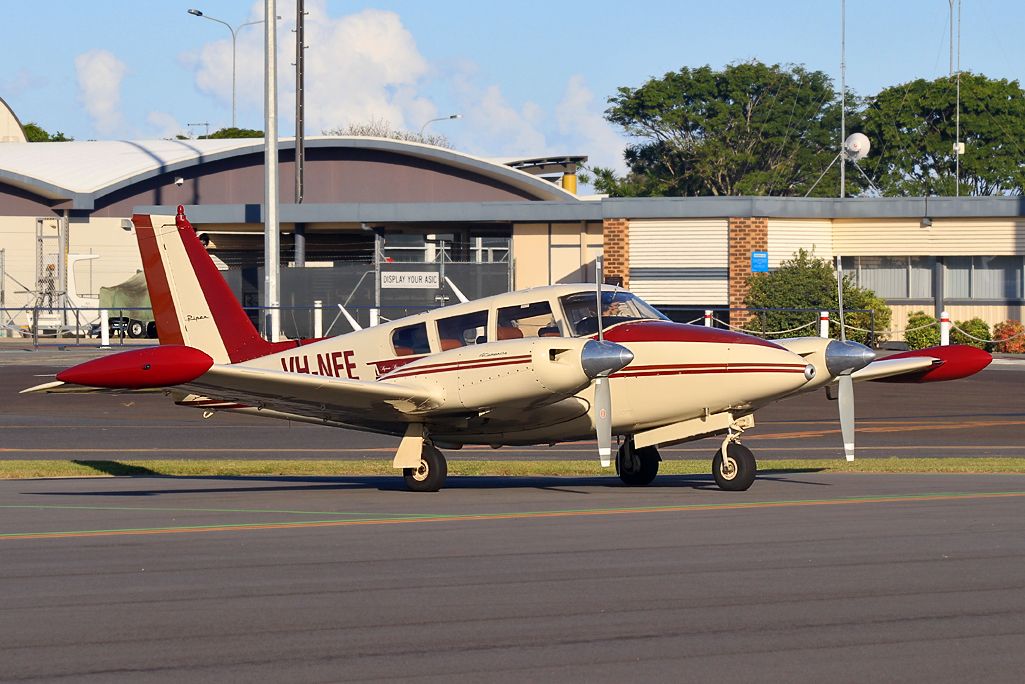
x: 234, y: 36
x: 440, y: 118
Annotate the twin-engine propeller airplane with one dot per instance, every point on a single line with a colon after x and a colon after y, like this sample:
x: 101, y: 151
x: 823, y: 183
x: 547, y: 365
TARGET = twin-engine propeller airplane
x: 539, y: 366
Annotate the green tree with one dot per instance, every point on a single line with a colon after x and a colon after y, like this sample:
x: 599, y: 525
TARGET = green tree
x: 230, y: 132
x: 912, y: 129
x: 749, y: 129
x: 809, y: 282
x: 36, y: 133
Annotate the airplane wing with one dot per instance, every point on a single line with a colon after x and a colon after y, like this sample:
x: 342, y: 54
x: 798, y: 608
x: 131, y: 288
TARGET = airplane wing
x: 934, y: 364
x: 885, y: 368
x: 292, y: 392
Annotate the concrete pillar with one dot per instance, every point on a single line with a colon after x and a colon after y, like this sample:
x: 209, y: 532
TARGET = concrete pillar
x: 300, y: 244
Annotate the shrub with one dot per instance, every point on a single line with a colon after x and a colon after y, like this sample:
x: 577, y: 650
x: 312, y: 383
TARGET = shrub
x: 976, y: 328
x: 1010, y: 337
x: 808, y: 282
x: 926, y: 337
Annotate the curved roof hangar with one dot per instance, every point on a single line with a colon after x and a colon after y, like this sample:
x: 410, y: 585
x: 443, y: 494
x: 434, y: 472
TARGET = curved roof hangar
x: 110, y: 177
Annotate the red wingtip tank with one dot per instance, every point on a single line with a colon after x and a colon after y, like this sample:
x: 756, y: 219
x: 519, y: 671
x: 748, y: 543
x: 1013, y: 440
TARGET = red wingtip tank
x: 163, y: 366
x: 953, y: 362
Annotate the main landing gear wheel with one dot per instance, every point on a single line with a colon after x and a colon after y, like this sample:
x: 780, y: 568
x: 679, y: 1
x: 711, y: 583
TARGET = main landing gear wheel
x: 430, y: 475
x: 737, y: 471
x: 637, y: 467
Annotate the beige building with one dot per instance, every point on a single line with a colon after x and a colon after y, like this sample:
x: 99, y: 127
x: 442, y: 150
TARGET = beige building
x: 962, y: 255
x: 493, y: 224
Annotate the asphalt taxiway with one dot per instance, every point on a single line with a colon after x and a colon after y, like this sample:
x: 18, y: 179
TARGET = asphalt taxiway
x: 805, y: 577
x: 983, y: 415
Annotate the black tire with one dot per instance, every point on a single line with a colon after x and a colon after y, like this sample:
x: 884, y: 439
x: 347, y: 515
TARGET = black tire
x: 151, y: 330
x: 638, y: 468
x: 740, y: 471
x: 430, y: 476
x: 136, y: 329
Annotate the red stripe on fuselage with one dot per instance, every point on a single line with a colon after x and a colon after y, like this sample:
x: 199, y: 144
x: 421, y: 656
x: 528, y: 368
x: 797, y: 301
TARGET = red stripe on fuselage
x: 168, y: 329
x: 452, y: 365
x: 474, y: 366
x: 703, y: 369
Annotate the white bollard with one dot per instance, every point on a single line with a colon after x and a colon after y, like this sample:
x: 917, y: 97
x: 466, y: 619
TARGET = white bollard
x: 944, y: 329
x: 374, y: 317
x: 318, y: 319
x: 104, y: 329
x: 824, y: 324
x: 708, y: 318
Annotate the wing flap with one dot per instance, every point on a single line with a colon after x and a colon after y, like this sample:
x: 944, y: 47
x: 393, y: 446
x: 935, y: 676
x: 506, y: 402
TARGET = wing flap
x: 314, y: 393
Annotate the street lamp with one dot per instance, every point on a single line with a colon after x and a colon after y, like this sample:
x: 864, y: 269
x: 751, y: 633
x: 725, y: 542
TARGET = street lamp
x: 234, y: 35
x: 440, y: 118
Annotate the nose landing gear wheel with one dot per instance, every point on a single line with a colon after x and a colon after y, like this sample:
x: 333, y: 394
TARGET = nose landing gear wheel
x: 637, y: 467
x: 737, y: 471
x: 430, y: 475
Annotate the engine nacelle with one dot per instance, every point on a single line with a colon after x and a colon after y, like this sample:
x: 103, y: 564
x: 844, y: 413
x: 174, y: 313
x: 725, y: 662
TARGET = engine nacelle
x: 527, y: 372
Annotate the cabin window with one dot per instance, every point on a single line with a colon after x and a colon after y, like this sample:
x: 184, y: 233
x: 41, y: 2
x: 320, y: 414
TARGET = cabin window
x: 617, y: 307
x: 460, y: 331
x: 527, y: 320
x: 411, y: 340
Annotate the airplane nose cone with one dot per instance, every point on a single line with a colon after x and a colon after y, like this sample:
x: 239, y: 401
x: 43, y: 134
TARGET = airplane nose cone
x: 604, y: 358
x: 847, y: 357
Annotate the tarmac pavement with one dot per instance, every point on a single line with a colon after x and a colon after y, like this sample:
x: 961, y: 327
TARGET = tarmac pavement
x: 808, y: 577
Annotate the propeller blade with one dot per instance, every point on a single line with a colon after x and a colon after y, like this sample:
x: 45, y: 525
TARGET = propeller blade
x: 603, y: 419
x: 846, y: 403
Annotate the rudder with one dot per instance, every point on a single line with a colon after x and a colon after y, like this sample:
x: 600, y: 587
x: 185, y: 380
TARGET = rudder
x: 192, y: 303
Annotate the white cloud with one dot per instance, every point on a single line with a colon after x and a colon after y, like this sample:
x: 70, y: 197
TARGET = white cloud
x: 367, y: 66
x: 21, y: 81
x: 163, y: 125
x: 584, y: 126
x: 494, y: 126
x: 359, y: 67
x: 99, y: 75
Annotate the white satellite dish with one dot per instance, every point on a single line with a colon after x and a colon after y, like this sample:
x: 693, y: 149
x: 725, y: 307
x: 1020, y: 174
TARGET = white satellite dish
x: 857, y: 146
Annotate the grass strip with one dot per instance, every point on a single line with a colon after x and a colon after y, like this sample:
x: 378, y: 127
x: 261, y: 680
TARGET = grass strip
x: 27, y: 469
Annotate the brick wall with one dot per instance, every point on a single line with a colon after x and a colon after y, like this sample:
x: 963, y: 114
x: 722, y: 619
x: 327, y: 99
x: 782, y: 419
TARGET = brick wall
x: 616, y: 246
x: 745, y: 236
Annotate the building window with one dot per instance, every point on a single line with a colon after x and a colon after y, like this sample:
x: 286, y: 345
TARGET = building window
x: 404, y: 248
x: 983, y: 277
x: 894, y: 277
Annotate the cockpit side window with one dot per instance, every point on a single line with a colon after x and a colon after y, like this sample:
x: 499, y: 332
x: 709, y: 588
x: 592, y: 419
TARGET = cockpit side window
x: 460, y: 331
x: 527, y: 320
x: 411, y: 340
x: 617, y: 307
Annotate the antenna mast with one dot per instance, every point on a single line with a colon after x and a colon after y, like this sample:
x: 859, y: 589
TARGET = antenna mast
x: 843, y: 95
x: 957, y: 114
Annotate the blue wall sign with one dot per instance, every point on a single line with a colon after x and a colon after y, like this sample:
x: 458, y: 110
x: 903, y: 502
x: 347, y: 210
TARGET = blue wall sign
x: 759, y: 262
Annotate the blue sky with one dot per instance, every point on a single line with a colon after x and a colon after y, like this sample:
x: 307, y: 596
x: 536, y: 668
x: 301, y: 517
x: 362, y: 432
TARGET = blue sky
x: 530, y: 77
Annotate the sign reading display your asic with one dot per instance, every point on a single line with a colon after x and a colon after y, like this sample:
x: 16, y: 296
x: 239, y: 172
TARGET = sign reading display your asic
x: 411, y: 279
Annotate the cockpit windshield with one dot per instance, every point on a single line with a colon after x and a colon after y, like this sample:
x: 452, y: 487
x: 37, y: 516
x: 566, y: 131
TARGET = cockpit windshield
x: 616, y: 307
